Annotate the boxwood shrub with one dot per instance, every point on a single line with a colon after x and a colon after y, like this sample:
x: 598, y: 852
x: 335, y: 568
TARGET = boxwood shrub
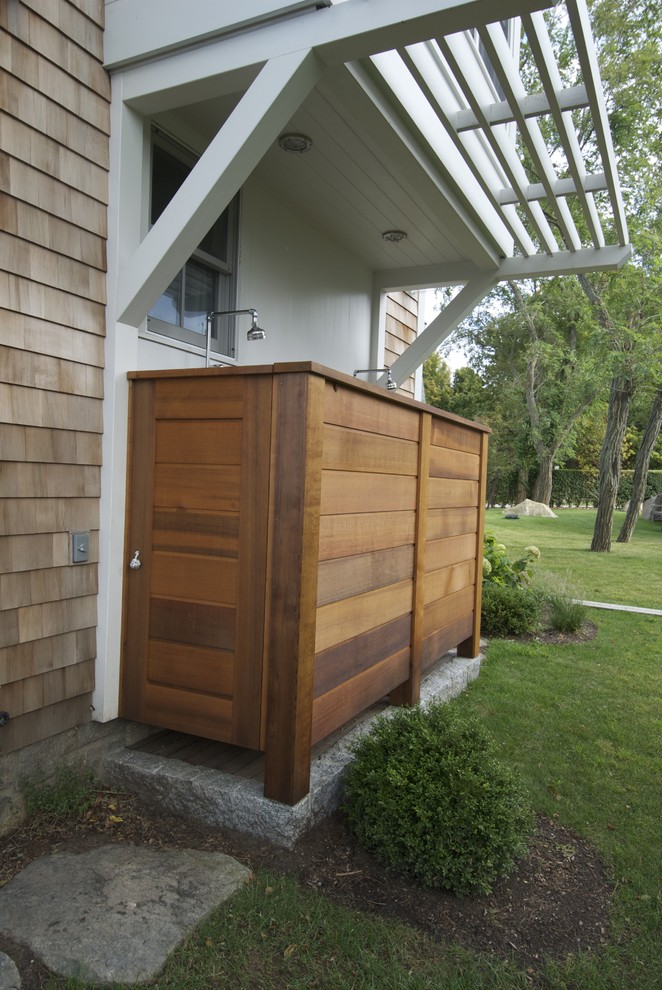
x: 426, y: 794
x: 508, y: 611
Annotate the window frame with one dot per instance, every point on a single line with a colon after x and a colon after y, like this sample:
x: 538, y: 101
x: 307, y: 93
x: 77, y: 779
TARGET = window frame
x: 176, y: 334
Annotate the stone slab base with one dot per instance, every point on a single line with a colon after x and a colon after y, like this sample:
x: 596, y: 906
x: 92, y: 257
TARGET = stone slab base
x: 217, y: 798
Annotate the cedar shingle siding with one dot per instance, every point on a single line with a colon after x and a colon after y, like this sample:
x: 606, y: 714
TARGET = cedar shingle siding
x: 54, y: 121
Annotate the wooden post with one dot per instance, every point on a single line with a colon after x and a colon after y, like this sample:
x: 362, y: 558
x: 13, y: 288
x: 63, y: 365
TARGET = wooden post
x: 291, y: 596
x: 470, y: 647
x: 409, y: 693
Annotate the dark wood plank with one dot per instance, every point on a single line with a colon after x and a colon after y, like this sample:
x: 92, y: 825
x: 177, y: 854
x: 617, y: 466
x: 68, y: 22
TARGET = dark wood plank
x: 348, y: 576
x: 342, y: 662
x: 292, y: 582
x: 186, y: 666
x: 197, y: 623
x: 445, y: 638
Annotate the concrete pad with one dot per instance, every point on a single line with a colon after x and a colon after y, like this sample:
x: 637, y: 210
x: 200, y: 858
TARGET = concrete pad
x: 116, y: 912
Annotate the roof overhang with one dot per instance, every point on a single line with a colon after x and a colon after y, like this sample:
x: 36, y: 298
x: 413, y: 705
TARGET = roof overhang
x: 420, y: 121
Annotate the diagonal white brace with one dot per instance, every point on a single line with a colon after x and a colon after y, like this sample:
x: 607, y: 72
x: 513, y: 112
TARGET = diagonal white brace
x: 442, y: 326
x: 242, y: 141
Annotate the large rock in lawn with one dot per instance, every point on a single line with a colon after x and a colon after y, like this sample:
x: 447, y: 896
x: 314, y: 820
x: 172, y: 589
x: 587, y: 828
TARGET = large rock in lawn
x: 530, y: 508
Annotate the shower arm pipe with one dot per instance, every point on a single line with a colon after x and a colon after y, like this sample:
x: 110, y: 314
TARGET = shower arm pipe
x: 211, y: 316
x: 390, y: 384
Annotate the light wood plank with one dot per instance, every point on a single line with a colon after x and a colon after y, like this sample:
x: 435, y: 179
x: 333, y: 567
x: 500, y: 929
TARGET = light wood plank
x: 357, y: 411
x: 185, y: 711
x: 209, y: 487
x: 194, y: 668
x: 353, y: 450
x: 350, y: 535
x: 451, y: 522
x: 352, y: 492
x: 444, y: 582
x: 452, y: 550
x: 21, y: 367
x: 439, y: 614
x: 447, y: 463
x: 343, y: 620
x: 345, y: 577
x: 199, y: 441
x: 446, y: 433
x: 199, y: 398
x: 451, y: 493
x: 195, y: 577
x: 44, y: 337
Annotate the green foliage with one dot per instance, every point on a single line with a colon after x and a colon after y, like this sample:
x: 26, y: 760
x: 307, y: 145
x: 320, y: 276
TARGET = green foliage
x: 509, y: 611
x: 570, y: 486
x: 497, y: 567
x: 566, y: 616
x: 427, y: 795
x: 69, y: 793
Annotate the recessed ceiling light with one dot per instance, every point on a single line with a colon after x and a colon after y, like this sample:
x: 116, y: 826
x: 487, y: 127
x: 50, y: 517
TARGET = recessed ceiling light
x: 394, y: 236
x: 295, y: 144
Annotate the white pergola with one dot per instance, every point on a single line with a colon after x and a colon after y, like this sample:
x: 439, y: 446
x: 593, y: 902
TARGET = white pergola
x: 413, y: 131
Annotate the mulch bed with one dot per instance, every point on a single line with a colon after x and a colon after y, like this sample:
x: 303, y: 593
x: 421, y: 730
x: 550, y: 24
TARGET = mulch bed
x: 555, y: 903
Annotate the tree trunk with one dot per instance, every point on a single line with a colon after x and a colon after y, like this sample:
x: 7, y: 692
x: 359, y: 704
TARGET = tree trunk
x: 610, y: 461
x: 542, y: 490
x: 648, y: 441
x: 522, y: 483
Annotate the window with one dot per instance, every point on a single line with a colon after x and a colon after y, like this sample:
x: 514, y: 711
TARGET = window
x: 205, y: 283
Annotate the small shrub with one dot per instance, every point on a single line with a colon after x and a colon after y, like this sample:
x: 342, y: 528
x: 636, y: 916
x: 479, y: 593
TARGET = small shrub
x: 70, y: 793
x: 561, y: 609
x: 427, y: 795
x: 498, y: 568
x: 508, y: 611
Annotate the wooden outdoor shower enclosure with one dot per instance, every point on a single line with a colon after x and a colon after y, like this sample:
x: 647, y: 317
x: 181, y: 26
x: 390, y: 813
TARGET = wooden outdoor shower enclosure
x: 308, y: 544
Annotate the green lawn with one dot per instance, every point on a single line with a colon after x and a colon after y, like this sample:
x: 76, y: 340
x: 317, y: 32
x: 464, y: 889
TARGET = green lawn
x: 630, y: 574
x: 583, y: 724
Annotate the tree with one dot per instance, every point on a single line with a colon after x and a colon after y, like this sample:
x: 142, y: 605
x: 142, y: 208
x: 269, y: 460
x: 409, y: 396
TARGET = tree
x: 651, y: 433
x: 437, y: 382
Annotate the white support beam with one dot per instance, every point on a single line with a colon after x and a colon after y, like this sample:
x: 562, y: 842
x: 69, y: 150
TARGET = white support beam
x: 560, y: 187
x: 539, y: 266
x: 441, y: 327
x: 266, y: 107
x: 342, y: 33
x: 534, y: 105
x: 588, y: 59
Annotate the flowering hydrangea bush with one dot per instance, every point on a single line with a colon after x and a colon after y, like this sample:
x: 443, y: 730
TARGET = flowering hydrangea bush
x: 498, y: 568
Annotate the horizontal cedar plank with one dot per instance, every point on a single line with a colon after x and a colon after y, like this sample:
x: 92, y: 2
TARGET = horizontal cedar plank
x: 45, y: 337
x: 347, y: 535
x: 49, y: 688
x: 185, y: 666
x: 47, y: 193
x: 46, y: 722
x: 199, y: 398
x: 65, y: 19
x: 47, y: 155
x: 438, y: 614
x: 196, y: 623
x: 22, y: 480
x: 207, y: 487
x: 446, y: 638
x: 40, y: 112
x: 353, y: 450
x: 348, y: 576
x: 344, y: 620
x: 32, y: 587
x: 45, y: 267
x: 198, y: 441
x: 39, y: 227
x: 54, y: 618
x: 52, y: 374
x: 357, y: 411
x: 450, y: 492
x: 337, y: 707
x: 182, y: 531
x: 447, y: 434
x: 39, y: 551
x: 452, y: 550
x: 447, y: 580
x: 34, y: 407
x: 340, y: 663
x: 32, y: 443
x: 206, y: 715
x: 353, y: 491
x: 447, y: 463
x: 451, y: 522
x: 194, y: 577
x: 47, y: 515
x: 27, y: 659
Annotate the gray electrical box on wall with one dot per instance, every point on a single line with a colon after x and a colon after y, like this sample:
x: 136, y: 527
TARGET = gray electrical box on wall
x: 80, y: 548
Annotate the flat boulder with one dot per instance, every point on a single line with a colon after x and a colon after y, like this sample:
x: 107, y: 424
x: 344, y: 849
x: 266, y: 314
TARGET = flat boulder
x: 115, y: 913
x: 530, y: 508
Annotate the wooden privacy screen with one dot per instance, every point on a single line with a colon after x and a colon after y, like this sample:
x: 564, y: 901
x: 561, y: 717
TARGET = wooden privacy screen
x: 309, y: 545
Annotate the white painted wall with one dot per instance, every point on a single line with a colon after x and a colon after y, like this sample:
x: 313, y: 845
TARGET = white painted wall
x: 312, y: 298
